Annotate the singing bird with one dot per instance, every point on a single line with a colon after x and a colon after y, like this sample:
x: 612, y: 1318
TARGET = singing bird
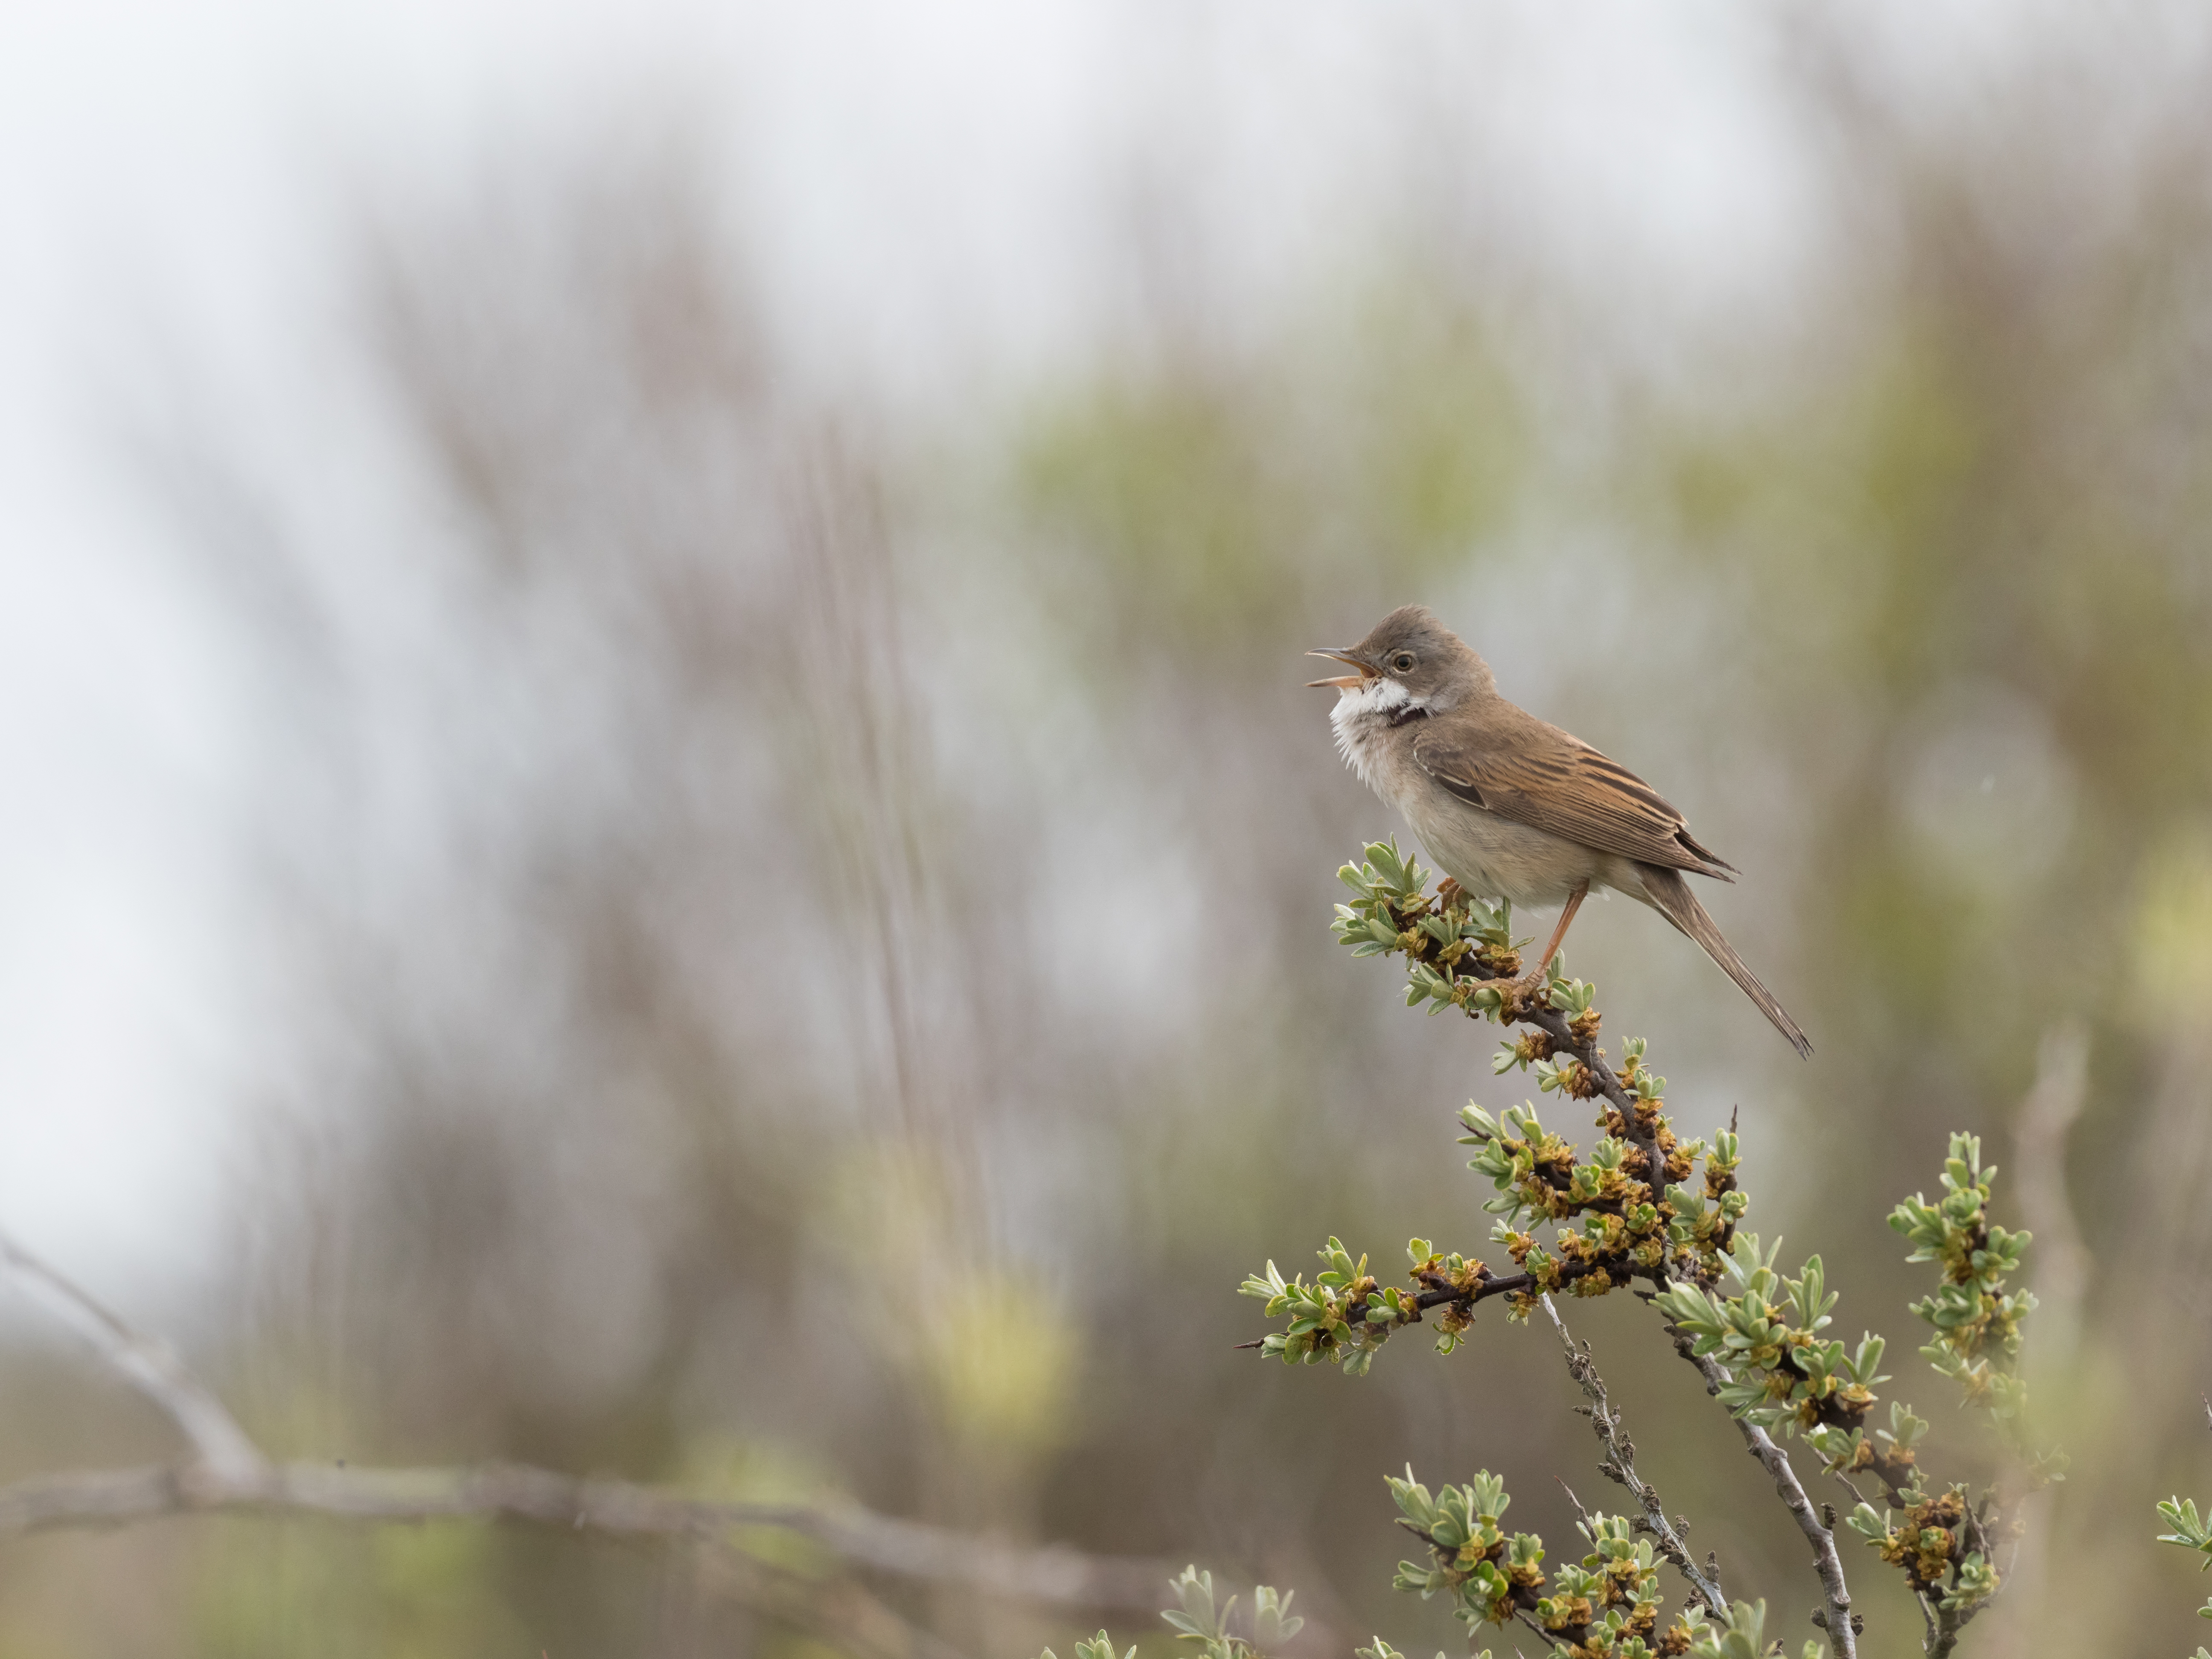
x: 1510, y: 806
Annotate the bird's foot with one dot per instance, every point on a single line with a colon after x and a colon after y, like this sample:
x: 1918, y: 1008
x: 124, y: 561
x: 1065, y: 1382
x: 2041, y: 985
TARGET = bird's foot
x: 1533, y: 990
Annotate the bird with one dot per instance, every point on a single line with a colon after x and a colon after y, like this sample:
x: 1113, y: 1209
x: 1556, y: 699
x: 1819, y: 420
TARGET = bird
x: 1510, y: 806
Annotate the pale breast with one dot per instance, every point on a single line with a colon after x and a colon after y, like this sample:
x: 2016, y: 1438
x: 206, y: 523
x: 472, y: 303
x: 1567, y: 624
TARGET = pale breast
x: 1497, y: 858
x: 1490, y: 856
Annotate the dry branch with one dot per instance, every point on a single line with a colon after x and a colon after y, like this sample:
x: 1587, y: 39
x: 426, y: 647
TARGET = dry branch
x: 1620, y: 1465
x: 229, y: 1474
x: 1835, y: 1616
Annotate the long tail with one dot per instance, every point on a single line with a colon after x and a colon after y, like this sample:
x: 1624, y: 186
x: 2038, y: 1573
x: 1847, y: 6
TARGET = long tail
x: 1672, y: 897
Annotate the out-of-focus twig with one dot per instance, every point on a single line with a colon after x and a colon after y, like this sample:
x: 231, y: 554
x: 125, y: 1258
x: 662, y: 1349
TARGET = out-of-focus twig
x: 520, y: 1492
x: 2046, y: 1117
x: 230, y: 1474
x: 225, y: 1450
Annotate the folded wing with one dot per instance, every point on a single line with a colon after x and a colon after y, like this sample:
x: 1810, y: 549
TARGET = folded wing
x: 1558, y: 784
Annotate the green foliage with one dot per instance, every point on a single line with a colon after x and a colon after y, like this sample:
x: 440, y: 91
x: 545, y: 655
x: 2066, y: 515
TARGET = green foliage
x: 1604, y: 1607
x: 1741, y: 1635
x: 1476, y: 1564
x: 1972, y: 1311
x: 1199, y: 1619
x: 1784, y: 1375
x: 1628, y: 1211
x: 1453, y: 950
x: 1343, y: 1317
x: 2190, y: 1533
x: 1194, y: 505
x: 1612, y: 1216
x: 430, y: 1589
x: 1201, y: 1616
x: 1383, y: 1649
x: 1100, y: 1646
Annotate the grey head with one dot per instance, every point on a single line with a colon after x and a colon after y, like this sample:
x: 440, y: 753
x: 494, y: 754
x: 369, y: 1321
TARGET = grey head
x: 1411, y: 648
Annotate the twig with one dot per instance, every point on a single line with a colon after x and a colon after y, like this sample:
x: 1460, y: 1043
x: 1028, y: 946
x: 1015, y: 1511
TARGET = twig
x: 225, y: 1451
x: 519, y: 1493
x: 2041, y: 1127
x: 2046, y: 1117
x: 1527, y: 1007
x: 1835, y: 1617
x: 230, y: 1474
x: 1849, y: 1485
x: 1557, y: 1026
x: 1606, y: 1422
x: 1529, y: 1619
x: 1581, y: 1513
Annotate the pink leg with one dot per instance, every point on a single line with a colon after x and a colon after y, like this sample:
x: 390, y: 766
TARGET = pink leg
x: 1539, y: 973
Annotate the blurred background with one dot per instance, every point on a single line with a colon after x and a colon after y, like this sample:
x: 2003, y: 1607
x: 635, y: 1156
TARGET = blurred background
x: 659, y: 815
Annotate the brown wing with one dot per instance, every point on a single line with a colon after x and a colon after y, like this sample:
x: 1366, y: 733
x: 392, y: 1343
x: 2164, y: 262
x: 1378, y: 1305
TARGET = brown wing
x: 1557, y: 783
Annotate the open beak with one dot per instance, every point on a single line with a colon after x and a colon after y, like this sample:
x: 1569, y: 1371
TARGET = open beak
x: 1345, y: 682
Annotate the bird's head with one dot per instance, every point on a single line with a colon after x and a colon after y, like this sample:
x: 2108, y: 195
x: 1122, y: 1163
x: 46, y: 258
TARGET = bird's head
x: 1410, y: 658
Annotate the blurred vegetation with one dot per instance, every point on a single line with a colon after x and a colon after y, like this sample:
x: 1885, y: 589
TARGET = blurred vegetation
x: 800, y: 926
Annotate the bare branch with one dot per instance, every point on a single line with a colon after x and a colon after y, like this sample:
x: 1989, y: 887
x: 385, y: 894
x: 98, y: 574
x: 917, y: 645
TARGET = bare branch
x: 519, y: 1493
x: 1836, y: 1617
x: 2046, y: 1118
x: 154, y: 1368
x: 1581, y: 1513
x: 1848, y: 1484
x: 230, y: 1475
x: 1621, y: 1466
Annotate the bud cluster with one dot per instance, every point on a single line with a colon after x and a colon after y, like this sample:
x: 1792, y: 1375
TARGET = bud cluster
x: 1975, y: 1316
x: 1641, y: 1205
x: 1605, y: 1607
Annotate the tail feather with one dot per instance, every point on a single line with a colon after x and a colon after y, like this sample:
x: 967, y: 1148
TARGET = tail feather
x: 1671, y: 896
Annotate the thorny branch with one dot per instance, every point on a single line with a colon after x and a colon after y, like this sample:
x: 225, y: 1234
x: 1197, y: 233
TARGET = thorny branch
x: 229, y: 1473
x: 1835, y: 1616
x: 1620, y: 1467
x: 1628, y: 1214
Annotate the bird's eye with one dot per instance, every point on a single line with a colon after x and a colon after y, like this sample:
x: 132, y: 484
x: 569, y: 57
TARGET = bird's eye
x: 1403, y: 662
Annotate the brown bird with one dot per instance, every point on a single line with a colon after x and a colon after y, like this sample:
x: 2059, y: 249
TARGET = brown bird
x: 1512, y: 807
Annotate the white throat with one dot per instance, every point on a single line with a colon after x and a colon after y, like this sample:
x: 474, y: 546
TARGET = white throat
x: 1361, y: 717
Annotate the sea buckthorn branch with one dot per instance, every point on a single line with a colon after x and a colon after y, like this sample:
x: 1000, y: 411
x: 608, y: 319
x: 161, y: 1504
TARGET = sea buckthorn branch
x: 1780, y: 1373
x: 1669, y: 1537
x: 1606, y: 1228
x: 1976, y: 1319
x: 1633, y: 1211
x: 1627, y: 1211
x: 1605, y: 1607
x: 1975, y: 1316
x: 1460, y: 953
x: 1834, y: 1615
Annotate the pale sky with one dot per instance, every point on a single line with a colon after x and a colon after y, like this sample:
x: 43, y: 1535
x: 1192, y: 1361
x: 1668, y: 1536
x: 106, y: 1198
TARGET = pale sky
x: 934, y: 188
